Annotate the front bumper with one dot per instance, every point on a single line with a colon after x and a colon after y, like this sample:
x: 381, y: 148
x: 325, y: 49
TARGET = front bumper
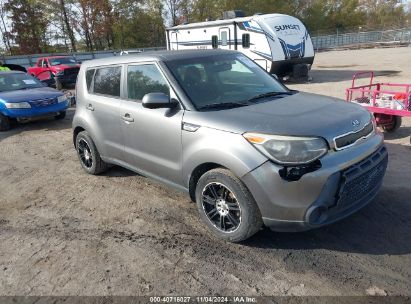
x: 67, y: 79
x: 37, y: 111
x: 347, y: 181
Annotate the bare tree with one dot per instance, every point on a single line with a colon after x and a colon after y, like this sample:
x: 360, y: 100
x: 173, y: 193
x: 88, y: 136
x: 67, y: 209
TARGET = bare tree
x: 67, y: 26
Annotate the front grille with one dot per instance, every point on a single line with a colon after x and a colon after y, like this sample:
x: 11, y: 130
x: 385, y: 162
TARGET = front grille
x: 347, y: 140
x: 362, y: 180
x: 44, y: 102
x: 71, y: 71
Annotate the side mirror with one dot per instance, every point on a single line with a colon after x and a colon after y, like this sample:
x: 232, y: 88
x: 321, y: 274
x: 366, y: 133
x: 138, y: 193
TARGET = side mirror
x: 158, y: 100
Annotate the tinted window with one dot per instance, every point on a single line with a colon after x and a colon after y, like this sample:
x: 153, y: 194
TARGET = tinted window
x: 144, y: 79
x: 107, y: 81
x: 89, y: 78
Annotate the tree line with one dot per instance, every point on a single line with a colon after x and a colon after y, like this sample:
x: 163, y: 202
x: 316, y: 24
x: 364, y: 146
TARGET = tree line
x: 38, y: 26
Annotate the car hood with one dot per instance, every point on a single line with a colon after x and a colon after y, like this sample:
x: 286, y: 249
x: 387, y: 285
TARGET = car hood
x: 65, y: 66
x: 29, y: 94
x: 301, y: 114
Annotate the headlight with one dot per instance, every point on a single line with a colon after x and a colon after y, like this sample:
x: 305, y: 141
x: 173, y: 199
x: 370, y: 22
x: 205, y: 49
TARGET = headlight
x: 18, y: 105
x: 62, y: 98
x: 288, y: 150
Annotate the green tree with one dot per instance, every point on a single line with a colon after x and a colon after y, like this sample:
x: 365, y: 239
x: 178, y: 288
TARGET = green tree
x: 29, y: 25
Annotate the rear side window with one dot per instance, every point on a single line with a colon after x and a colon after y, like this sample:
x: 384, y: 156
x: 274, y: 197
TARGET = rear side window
x: 89, y: 78
x: 107, y: 81
x: 144, y: 79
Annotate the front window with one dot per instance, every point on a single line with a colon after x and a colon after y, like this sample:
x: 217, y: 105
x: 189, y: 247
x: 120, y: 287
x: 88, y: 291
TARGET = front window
x: 144, y: 79
x: 231, y: 79
x: 62, y: 60
x: 18, y: 81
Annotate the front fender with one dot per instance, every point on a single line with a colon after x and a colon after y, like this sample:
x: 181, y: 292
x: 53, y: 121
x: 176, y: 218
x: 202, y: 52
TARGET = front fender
x: 227, y: 149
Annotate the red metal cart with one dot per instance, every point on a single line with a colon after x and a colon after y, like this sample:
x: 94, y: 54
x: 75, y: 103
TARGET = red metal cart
x: 388, y: 101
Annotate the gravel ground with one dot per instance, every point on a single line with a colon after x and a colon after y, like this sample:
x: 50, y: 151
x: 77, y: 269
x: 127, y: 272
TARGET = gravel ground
x: 63, y: 232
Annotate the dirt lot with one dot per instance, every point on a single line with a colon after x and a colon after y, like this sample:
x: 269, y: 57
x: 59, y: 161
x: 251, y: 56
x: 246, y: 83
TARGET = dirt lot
x: 63, y: 232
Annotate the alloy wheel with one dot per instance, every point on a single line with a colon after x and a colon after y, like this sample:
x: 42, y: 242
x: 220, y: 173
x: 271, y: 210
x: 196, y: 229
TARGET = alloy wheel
x: 85, y: 153
x: 221, y: 207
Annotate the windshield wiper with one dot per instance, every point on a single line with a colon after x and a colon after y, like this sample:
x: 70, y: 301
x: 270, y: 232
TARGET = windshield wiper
x: 224, y: 105
x: 270, y: 94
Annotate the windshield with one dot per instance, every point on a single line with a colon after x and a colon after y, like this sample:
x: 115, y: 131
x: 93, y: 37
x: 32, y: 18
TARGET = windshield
x: 224, y: 80
x: 18, y: 81
x: 62, y: 60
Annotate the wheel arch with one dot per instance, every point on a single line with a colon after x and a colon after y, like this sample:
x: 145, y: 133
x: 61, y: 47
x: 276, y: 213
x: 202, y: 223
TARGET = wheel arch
x: 196, y: 174
x: 76, y: 131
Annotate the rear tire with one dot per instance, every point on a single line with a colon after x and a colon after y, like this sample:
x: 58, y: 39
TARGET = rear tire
x: 4, y: 123
x: 88, y: 154
x: 396, y: 124
x: 61, y: 115
x: 226, y: 206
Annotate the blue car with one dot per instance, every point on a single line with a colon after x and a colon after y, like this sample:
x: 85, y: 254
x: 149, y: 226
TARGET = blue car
x: 23, y: 97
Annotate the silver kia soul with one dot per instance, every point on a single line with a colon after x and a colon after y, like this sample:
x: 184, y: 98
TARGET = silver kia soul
x: 248, y: 151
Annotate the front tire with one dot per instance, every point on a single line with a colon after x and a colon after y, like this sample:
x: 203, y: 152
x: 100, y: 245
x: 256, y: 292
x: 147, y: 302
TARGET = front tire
x: 61, y: 115
x: 4, y: 123
x: 394, y: 126
x: 88, y: 154
x: 226, y: 206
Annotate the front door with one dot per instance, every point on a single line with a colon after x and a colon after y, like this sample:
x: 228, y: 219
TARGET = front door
x: 152, y: 137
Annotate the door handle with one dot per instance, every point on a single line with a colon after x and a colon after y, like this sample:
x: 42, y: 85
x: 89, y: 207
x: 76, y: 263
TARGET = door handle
x: 90, y: 107
x: 127, y: 118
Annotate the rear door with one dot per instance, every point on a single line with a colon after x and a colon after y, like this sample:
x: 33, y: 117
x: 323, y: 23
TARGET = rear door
x: 152, y: 137
x: 103, y: 105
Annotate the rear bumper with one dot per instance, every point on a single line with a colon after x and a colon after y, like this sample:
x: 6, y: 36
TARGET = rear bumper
x: 340, y: 188
x: 36, y: 112
x: 285, y: 67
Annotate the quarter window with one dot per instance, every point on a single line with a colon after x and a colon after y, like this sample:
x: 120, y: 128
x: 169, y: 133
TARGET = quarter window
x: 144, y: 79
x: 107, y: 81
x: 89, y: 78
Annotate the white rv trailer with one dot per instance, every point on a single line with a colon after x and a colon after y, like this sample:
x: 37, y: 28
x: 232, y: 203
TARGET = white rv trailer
x: 279, y: 43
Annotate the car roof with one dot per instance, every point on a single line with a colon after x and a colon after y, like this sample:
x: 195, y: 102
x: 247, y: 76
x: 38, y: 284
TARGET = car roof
x: 156, y: 56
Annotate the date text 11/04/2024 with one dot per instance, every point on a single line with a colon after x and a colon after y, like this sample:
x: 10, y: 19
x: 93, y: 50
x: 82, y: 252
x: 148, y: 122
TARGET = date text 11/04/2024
x: 205, y: 299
